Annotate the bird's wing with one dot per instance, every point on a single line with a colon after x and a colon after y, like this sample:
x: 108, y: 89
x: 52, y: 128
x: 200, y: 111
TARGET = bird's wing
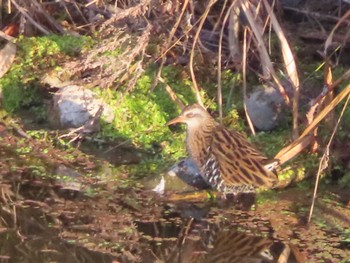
x: 239, y: 162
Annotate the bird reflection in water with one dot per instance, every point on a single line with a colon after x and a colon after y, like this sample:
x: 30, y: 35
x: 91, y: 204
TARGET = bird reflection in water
x: 203, y: 237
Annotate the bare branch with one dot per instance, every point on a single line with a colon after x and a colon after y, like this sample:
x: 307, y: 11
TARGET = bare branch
x: 195, y: 39
x: 24, y: 12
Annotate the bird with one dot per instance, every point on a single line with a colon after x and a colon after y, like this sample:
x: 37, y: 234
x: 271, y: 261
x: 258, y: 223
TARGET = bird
x: 227, y: 161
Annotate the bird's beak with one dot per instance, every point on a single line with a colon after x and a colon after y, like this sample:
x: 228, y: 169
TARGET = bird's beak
x: 178, y: 119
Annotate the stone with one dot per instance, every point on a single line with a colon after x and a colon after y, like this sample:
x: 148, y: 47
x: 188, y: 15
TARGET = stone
x: 265, y: 107
x: 72, y: 106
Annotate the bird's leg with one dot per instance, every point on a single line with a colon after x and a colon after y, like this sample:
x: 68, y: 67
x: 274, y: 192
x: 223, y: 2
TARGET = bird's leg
x: 223, y: 196
x: 230, y: 196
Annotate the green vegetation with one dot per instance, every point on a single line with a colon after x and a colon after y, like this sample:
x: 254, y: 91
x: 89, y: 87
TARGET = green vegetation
x: 35, y: 56
x: 267, y: 196
x: 140, y: 113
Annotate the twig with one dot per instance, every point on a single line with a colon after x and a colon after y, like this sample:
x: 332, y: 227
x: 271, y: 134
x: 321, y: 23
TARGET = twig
x: 219, y: 58
x: 172, y: 94
x: 48, y: 17
x: 167, y: 45
x: 87, y: 127
x: 329, y: 87
x: 9, y: 7
x: 186, y: 229
x: 325, y: 158
x: 130, y: 12
x: 7, y: 37
x: 296, y: 147
x: 345, y: 92
x: 314, y: 14
x: 195, y: 39
x: 262, y: 50
x: 79, y: 11
x: 178, y: 40
x: 117, y: 146
x: 244, y: 73
x: 91, y: 3
x: 1, y: 4
x: 68, y: 13
x: 14, y: 217
x: 219, y: 18
x: 326, y: 90
x: 290, y: 65
x: 30, y: 19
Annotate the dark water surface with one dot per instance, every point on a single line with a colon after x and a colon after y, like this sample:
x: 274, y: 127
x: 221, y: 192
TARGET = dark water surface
x: 104, y: 218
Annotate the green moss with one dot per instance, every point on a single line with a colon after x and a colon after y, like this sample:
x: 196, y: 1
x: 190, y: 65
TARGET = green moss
x: 141, y: 115
x: 271, y: 142
x: 17, y: 95
x: 179, y: 82
x: 302, y: 166
x: 36, y: 48
x: 34, y: 56
x: 264, y: 196
x: 231, y: 90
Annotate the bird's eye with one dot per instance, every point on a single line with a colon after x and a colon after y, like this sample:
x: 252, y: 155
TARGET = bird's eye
x: 189, y: 115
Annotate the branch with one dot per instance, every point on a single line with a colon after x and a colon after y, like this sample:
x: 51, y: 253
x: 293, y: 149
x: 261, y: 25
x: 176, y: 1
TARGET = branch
x: 24, y: 12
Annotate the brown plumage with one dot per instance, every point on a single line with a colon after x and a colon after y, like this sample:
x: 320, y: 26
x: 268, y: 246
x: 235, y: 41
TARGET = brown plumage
x: 220, y: 245
x: 227, y: 161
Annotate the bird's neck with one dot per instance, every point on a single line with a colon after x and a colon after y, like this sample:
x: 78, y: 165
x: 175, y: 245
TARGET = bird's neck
x: 198, y: 140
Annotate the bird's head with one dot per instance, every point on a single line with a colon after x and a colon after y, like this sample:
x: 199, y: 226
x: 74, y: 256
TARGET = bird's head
x: 194, y: 116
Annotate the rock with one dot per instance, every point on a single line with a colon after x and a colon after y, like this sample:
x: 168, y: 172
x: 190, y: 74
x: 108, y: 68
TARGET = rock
x: 265, y: 107
x: 68, y: 179
x: 188, y: 172
x: 72, y: 106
